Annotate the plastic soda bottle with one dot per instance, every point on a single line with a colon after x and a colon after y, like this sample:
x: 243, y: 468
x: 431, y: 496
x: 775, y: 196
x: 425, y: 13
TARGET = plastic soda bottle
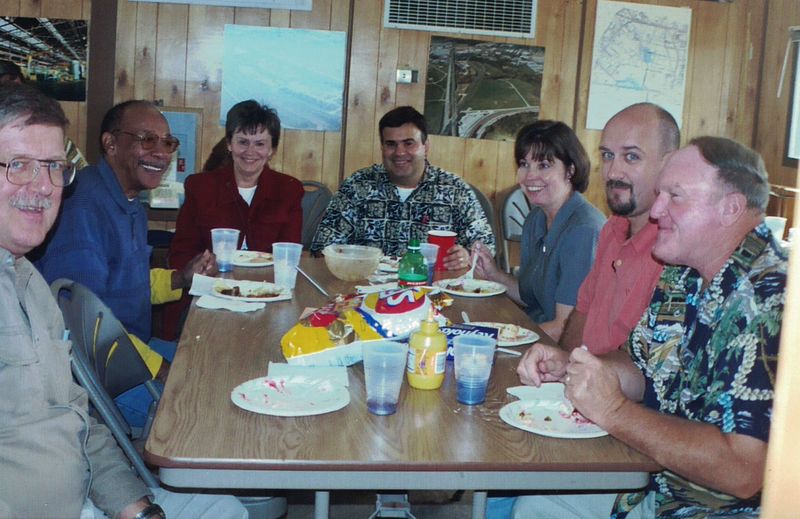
x: 412, y: 271
x: 427, y: 353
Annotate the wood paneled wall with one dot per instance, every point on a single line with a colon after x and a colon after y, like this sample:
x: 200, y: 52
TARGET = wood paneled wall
x: 69, y: 9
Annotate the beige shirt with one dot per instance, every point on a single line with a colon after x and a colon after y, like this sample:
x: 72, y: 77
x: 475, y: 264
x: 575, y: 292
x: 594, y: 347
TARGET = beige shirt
x: 52, y: 454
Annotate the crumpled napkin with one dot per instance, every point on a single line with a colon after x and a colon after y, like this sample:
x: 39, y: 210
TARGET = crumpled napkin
x: 217, y: 303
x: 337, y: 375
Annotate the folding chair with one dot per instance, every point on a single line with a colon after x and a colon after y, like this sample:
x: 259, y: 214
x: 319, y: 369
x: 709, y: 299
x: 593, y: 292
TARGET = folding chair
x: 315, y: 201
x: 515, y: 209
x: 105, y: 362
x: 487, y: 207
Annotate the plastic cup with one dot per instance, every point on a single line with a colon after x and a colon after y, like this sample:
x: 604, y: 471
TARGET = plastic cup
x: 445, y: 240
x: 286, y: 258
x: 384, y: 367
x: 474, y: 355
x: 224, y: 243
x: 776, y: 224
x: 430, y: 251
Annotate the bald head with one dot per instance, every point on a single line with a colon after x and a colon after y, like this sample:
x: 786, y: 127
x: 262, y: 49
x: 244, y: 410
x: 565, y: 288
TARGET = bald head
x: 633, y: 146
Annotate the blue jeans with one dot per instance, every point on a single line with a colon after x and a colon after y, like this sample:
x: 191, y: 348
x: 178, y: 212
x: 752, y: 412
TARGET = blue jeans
x: 134, y: 403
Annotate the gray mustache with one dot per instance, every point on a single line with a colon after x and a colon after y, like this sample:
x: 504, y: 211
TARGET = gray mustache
x: 31, y: 204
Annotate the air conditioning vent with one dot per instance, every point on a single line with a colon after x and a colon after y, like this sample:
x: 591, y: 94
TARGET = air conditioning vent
x: 509, y: 18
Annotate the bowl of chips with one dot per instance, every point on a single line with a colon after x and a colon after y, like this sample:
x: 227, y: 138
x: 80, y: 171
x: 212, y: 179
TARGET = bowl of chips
x: 352, y: 262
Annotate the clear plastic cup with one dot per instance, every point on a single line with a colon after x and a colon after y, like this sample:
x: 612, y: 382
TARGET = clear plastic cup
x: 286, y: 258
x: 430, y: 252
x: 224, y: 243
x: 474, y: 355
x: 384, y: 367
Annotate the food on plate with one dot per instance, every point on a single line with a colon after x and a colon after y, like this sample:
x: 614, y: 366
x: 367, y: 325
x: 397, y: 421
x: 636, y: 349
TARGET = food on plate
x: 568, y: 412
x: 260, y: 290
x: 253, y: 257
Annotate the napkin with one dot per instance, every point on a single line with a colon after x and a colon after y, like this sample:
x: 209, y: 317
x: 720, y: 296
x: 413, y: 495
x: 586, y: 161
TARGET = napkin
x: 217, y: 303
x: 369, y: 289
x: 201, y: 285
x: 337, y: 375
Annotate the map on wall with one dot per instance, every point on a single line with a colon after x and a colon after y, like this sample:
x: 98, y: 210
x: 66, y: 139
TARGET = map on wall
x: 298, y: 72
x: 482, y: 89
x: 640, y: 55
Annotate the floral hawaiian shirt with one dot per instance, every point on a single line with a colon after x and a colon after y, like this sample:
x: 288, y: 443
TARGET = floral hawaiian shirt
x: 367, y: 210
x: 710, y: 355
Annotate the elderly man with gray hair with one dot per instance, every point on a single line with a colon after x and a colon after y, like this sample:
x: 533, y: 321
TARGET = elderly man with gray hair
x: 55, y: 461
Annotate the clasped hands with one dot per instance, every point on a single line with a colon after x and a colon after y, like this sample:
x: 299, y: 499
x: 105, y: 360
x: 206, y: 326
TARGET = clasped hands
x: 591, y: 383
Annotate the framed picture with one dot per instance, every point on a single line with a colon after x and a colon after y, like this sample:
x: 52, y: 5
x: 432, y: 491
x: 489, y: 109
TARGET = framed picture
x: 187, y: 125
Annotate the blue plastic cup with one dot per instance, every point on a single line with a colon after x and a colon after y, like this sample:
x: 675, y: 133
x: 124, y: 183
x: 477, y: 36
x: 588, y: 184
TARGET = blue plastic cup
x: 474, y: 355
x: 429, y: 251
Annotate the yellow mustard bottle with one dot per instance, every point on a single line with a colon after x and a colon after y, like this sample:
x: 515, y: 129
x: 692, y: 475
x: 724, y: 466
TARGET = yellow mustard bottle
x: 427, y: 353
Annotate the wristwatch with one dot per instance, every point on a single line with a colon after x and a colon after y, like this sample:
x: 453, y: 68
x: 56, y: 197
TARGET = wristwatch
x: 151, y: 510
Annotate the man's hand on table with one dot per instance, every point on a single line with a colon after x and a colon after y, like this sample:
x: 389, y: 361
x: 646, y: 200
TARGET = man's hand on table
x: 542, y: 363
x: 593, y: 387
x: 204, y: 263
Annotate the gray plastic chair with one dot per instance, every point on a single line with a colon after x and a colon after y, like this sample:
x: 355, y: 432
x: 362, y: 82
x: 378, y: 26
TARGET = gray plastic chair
x: 487, y: 207
x: 315, y: 201
x: 515, y: 209
x: 105, y: 362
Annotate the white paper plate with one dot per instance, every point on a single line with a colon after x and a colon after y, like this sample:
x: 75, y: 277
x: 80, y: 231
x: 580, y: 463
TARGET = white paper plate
x: 291, y: 396
x: 251, y: 289
x: 388, y: 264
x: 511, y: 334
x: 547, y: 412
x: 470, y: 287
x: 251, y: 258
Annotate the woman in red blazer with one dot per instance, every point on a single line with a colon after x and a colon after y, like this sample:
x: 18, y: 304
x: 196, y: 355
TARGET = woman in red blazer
x: 244, y: 193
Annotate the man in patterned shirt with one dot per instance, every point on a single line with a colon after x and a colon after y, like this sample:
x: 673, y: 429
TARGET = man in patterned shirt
x: 693, y: 387
x: 386, y: 205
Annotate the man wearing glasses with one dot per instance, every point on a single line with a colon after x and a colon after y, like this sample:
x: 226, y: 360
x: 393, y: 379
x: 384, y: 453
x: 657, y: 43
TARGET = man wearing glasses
x: 100, y: 239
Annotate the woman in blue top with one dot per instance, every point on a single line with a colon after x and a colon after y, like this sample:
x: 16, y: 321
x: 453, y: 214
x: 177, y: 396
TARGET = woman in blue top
x: 560, y: 232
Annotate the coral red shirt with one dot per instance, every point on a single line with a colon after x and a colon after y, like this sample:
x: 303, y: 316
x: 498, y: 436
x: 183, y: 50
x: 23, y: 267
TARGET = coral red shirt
x: 618, y: 288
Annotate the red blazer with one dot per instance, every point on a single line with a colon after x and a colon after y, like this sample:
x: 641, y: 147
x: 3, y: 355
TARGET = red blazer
x: 213, y: 200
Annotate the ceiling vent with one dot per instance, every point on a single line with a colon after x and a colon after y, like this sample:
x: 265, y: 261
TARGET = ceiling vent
x: 508, y: 18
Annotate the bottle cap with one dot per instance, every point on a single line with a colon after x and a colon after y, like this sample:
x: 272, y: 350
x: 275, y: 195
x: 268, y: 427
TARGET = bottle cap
x: 413, y: 243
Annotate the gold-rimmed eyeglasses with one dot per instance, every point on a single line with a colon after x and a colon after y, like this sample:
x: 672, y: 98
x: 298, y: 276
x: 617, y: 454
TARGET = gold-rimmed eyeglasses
x: 21, y: 171
x: 148, y: 140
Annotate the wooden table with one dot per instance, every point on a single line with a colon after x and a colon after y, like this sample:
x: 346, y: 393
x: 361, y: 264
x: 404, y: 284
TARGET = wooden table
x: 200, y: 439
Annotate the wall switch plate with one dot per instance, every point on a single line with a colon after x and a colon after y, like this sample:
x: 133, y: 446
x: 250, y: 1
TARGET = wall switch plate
x: 406, y: 76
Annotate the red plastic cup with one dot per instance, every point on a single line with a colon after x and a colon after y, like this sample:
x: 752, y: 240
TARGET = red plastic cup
x: 445, y: 240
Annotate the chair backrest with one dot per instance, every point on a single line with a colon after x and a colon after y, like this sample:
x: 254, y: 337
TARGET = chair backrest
x: 101, y: 336
x: 488, y: 208
x: 314, y: 202
x: 515, y: 209
x: 104, y: 362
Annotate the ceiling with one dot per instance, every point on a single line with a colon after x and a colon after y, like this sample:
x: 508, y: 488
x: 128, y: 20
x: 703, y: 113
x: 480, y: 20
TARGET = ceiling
x: 49, y: 42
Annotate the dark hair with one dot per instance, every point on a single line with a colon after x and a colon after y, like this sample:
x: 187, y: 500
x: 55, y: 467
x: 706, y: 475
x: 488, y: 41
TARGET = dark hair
x: 28, y: 103
x: 113, y: 118
x: 737, y: 166
x: 10, y: 71
x: 669, y: 133
x: 249, y: 117
x: 219, y: 156
x: 548, y: 140
x: 400, y: 116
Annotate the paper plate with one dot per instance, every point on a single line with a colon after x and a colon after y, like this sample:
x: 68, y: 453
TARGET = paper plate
x: 511, y: 334
x: 470, y: 287
x: 546, y: 411
x: 291, y: 396
x: 251, y: 258
x: 252, y: 291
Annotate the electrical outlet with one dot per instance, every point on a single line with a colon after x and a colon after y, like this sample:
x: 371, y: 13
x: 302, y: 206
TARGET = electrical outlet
x: 405, y: 76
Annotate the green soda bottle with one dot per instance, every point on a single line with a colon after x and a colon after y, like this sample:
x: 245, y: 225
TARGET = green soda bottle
x: 412, y: 271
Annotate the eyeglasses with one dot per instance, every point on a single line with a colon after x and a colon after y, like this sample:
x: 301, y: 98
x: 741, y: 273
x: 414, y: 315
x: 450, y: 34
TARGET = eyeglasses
x: 22, y: 171
x: 148, y: 140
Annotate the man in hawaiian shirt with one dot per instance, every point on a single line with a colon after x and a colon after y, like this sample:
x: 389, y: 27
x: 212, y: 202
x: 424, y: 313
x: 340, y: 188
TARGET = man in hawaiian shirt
x: 386, y: 205
x: 693, y: 386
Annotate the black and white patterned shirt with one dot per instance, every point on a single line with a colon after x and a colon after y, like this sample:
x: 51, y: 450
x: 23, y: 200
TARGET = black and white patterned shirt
x: 367, y: 210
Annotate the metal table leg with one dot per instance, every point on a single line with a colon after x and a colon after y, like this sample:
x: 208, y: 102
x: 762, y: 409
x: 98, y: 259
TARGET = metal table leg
x: 322, y: 501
